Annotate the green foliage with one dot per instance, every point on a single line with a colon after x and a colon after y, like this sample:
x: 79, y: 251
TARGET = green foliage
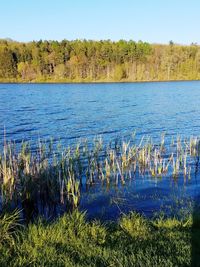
x: 172, y: 223
x: 86, y: 60
x: 72, y: 241
x: 97, y: 233
x: 135, y: 225
x: 8, y: 63
x: 119, y: 73
x: 8, y: 225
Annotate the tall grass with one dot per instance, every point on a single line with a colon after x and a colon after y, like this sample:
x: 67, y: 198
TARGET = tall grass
x: 9, y: 224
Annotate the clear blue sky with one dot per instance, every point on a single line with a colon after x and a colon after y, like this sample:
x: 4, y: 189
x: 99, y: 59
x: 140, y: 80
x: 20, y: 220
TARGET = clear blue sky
x: 155, y: 21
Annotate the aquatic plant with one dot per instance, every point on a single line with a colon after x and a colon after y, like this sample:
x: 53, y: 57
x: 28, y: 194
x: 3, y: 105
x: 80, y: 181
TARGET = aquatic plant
x: 40, y: 179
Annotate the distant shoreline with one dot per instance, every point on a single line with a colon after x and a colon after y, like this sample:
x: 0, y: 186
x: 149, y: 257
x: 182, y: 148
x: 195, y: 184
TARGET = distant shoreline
x: 93, y: 82
x: 85, y: 61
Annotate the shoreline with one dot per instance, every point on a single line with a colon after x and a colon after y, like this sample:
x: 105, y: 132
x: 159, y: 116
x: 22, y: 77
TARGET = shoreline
x: 95, y: 82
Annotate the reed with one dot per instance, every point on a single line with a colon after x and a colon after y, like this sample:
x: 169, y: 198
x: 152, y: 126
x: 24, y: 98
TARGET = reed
x: 51, y: 175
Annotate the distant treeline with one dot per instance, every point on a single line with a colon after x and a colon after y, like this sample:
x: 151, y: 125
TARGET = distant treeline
x: 86, y: 60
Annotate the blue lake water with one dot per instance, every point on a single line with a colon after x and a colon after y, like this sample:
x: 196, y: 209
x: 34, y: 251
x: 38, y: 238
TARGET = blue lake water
x: 68, y: 112
x: 71, y: 111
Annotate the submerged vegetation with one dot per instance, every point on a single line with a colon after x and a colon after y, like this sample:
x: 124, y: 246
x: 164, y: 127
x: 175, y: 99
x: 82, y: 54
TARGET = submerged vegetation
x: 90, y: 61
x: 45, y: 177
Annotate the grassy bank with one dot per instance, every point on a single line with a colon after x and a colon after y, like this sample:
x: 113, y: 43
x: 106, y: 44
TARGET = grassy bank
x: 72, y: 241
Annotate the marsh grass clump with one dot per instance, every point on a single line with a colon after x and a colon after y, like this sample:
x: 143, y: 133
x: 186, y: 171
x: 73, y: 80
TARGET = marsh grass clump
x: 172, y: 222
x: 97, y: 233
x: 135, y: 226
x: 9, y: 224
x: 50, y: 176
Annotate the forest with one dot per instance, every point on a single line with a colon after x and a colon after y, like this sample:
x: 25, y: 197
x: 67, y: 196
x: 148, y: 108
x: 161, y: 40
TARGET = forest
x: 97, y: 61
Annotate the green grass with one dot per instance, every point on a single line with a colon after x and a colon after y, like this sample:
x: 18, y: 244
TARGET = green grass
x: 73, y: 241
